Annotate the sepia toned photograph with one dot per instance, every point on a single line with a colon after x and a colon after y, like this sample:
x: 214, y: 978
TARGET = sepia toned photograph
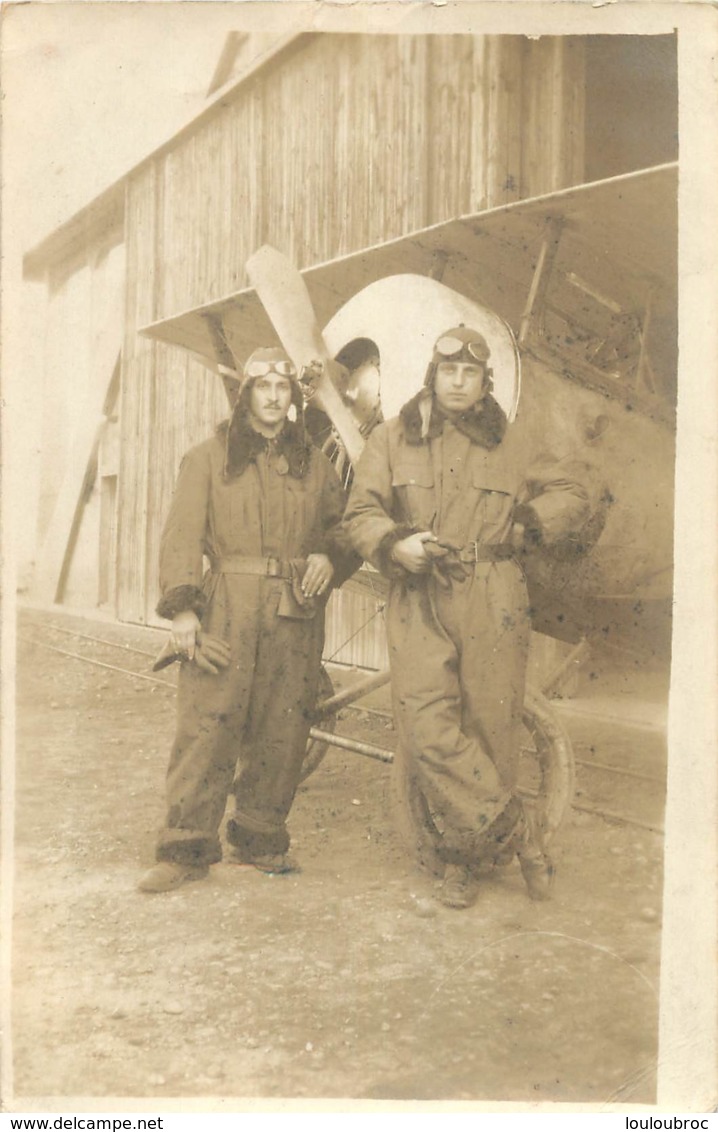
x: 355, y: 735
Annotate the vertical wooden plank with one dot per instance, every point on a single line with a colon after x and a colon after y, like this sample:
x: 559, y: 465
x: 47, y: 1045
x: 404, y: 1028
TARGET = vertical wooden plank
x: 138, y: 356
x: 373, y: 70
x: 108, y: 542
x: 554, y: 115
x: 514, y: 48
x: 574, y: 111
x: 339, y: 150
x: 124, y: 513
x: 503, y: 92
x: 479, y: 113
x: 413, y: 95
x: 565, y: 80
x: 167, y: 405
x: 223, y: 264
x: 217, y: 201
x: 451, y: 130
x: 535, y: 117
x: 547, y: 80
x: 132, y: 504
x: 490, y: 84
x: 173, y: 237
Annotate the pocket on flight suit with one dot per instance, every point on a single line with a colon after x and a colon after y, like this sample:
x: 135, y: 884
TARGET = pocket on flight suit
x: 414, y: 487
x: 496, y: 493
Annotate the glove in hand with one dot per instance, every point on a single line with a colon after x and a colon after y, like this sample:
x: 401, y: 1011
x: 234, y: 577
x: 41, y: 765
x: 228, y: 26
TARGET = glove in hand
x: 210, y: 655
x: 446, y: 565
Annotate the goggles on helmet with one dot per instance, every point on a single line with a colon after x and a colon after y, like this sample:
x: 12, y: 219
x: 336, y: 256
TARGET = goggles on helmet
x: 261, y: 368
x: 450, y: 347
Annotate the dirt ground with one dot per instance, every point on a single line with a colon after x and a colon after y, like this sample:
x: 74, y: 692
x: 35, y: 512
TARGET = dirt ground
x: 347, y: 980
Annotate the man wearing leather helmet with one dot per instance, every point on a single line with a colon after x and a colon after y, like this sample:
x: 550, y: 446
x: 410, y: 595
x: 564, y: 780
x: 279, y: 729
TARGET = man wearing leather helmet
x: 262, y: 505
x: 442, y: 503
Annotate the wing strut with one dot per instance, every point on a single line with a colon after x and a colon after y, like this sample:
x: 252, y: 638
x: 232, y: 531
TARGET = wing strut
x: 539, y: 284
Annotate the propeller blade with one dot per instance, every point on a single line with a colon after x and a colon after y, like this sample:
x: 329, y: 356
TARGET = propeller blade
x: 284, y: 296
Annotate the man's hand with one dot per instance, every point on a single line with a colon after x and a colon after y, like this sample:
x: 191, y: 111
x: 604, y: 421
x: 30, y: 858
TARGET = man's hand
x: 317, y: 576
x: 309, y: 375
x: 183, y: 634
x: 411, y: 553
x: 212, y: 654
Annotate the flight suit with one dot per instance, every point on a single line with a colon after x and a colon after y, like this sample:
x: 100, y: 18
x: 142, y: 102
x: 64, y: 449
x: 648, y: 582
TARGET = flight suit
x: 458, y: 648
x: 255, y: 529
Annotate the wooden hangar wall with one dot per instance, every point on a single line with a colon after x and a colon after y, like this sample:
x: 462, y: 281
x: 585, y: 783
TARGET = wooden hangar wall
x: 341, y: 143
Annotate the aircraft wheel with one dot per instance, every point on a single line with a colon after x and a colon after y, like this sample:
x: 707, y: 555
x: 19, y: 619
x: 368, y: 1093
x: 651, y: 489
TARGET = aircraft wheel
x: 316, y: 748
x: 546, y: 783
x: 547, y: 771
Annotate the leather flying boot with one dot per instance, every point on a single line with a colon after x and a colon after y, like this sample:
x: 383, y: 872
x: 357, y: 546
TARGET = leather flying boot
x: 537, y: 868
x: 459, y: 888
x: 271, y: 863
x: 167, y: 875
x: 276, y: 864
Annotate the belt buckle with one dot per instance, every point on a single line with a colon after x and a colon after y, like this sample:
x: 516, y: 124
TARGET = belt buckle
x: 273, y: 568
x: 474, y: 547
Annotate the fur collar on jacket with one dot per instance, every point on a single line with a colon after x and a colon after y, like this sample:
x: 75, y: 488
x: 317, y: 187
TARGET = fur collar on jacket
x: 484, y: 425
x: 243, y: 445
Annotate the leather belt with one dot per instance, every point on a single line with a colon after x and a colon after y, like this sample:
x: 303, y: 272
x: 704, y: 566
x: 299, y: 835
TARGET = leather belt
x: 486, y: 552
x: 245, y: 564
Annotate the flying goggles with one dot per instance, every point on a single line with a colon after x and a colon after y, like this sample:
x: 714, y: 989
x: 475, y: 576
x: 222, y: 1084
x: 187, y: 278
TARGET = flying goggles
x: 450, y: 347
x: 261, y: 368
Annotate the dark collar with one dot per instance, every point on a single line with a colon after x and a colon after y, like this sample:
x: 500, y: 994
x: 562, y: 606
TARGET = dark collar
x: 485, y: 425
x: 243, y: 444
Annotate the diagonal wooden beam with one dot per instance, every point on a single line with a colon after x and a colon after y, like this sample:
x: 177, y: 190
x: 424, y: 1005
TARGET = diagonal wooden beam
x: 88, y: 482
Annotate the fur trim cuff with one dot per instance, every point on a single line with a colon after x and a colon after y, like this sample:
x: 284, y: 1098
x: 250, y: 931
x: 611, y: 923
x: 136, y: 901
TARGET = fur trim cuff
x: 253, y: 842
x: 179, y: 600
x: 386, y: 564
x: 337, y: 546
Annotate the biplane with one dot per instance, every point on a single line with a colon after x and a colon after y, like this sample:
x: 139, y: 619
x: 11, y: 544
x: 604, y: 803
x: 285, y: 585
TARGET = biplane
x: 576, y: 293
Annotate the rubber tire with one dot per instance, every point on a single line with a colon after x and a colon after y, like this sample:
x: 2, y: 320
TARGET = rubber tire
x: 554, y: 755
x: 316, y: 749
